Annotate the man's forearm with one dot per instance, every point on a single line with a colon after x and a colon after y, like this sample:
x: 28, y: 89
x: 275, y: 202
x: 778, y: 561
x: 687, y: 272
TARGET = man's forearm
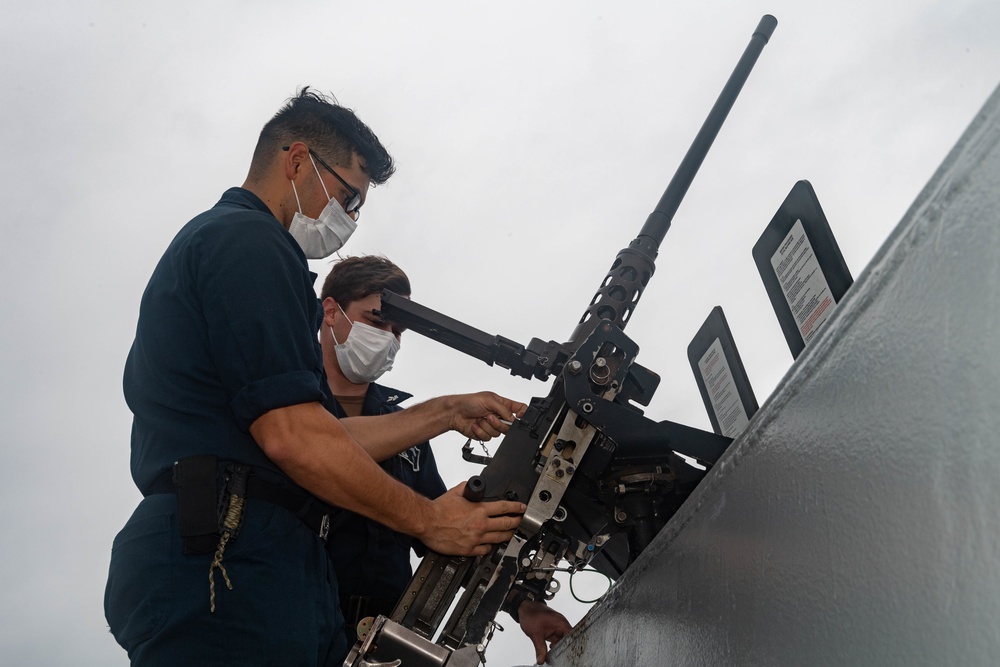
x: 315, y: 450
x: 319, y: 454
x: 384, y: 436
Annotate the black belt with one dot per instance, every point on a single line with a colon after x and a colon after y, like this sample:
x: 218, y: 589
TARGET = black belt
x: 312, y: 512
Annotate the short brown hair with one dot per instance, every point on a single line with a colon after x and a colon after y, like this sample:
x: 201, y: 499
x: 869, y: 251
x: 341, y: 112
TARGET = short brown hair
x: 355, y: 278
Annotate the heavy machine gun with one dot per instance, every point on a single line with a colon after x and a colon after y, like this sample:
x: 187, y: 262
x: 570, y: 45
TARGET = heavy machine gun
x: 599, y: 479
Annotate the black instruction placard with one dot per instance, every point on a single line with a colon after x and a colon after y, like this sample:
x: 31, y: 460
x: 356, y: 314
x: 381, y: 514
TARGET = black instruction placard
x: 801, y: 265
x: 720, y: 375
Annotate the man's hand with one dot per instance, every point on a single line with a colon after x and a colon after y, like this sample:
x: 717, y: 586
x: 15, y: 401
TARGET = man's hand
x: 479, y: 416
x: 463, y: 528
x: 542, y: 624
x: 482, y: 415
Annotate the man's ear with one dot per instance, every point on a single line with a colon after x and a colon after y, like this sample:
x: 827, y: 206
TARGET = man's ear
x: 330, y: 310
x: 296, y: 158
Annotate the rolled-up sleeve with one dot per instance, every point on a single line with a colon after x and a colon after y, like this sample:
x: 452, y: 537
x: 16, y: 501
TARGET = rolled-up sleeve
x: 262, y: 316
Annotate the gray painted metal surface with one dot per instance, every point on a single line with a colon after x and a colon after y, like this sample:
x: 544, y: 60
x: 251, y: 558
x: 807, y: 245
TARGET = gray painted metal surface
x: 857, y: 521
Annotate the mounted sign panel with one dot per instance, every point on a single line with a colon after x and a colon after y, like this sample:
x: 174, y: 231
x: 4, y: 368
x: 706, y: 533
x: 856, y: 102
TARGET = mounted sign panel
x: 720, y: 375
x: 801, y: 265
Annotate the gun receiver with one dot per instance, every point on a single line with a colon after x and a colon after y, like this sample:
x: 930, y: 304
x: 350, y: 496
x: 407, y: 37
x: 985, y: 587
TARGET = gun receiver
x: 598, y: 477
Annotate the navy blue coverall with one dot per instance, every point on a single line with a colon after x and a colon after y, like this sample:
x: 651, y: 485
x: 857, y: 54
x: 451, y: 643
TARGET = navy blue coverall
x: 227, y: 331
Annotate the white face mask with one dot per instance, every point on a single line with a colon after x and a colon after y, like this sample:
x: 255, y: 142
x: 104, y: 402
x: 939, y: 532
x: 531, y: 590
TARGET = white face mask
x: 320, y: 238
x: 367, y: 352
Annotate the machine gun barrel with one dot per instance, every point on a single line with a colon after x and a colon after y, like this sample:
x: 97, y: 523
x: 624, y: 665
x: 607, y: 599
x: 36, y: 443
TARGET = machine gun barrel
x: 659, y: 220
x: 633, y: 267
x: 621, y: 288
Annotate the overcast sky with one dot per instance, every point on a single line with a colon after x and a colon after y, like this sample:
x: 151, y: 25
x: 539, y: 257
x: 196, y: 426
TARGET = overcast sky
x: 532, y: 141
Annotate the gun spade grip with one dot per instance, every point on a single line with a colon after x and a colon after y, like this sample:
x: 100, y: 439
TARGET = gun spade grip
x: 474, y: 489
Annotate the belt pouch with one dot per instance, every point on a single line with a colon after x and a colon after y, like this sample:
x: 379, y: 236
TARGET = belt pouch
x: 196, y: 479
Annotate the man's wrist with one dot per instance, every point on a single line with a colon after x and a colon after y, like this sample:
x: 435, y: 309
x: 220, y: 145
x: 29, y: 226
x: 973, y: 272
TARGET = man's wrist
x: 513, y: 604
x: 438, y: 415
x: 442, y: 413
x: 422, y: 517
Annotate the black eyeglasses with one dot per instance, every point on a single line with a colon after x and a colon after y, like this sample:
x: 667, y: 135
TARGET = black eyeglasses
x: 353, y: 207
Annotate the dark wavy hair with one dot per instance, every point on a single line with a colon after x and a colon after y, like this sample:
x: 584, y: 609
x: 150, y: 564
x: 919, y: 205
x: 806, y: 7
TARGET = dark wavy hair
x: 355, y: 278
x: 331, y: 130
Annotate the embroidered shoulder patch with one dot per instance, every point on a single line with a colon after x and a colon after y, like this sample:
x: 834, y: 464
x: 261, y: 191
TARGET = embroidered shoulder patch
x: 412, y: 456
